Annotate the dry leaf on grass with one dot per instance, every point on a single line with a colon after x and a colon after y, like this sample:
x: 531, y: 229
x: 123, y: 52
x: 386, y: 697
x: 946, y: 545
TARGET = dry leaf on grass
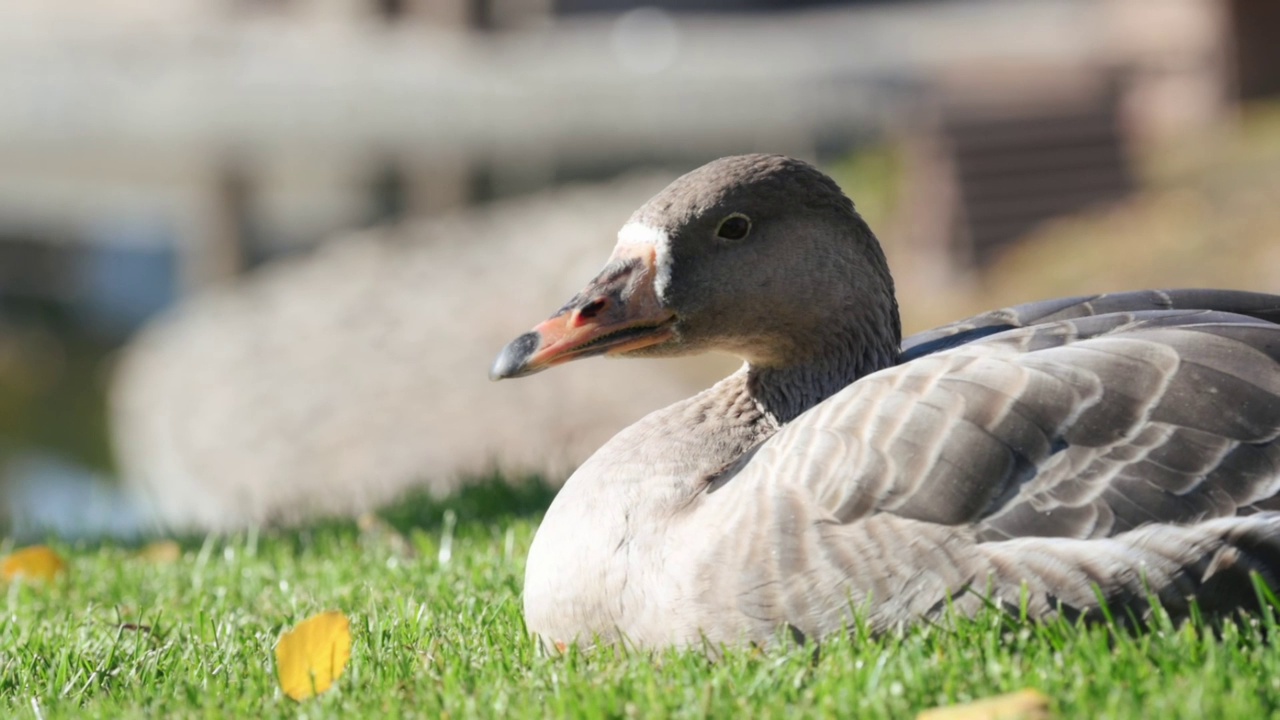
x: 35, y: 563
x: 161, y: 552
x: 1022, y: 705
x: 311, y: 656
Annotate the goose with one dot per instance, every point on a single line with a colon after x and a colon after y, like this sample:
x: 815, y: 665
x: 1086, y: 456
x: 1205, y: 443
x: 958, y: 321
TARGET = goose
x: 1074, y: 456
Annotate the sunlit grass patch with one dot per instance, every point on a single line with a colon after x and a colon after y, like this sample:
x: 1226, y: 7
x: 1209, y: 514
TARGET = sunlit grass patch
x: 435, y: 633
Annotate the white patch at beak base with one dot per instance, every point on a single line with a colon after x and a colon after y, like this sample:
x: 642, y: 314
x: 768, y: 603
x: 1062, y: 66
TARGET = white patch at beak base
x: 641, y: 234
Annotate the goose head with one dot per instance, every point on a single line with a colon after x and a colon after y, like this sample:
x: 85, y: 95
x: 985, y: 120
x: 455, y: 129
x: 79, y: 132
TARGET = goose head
x: 760, y: 256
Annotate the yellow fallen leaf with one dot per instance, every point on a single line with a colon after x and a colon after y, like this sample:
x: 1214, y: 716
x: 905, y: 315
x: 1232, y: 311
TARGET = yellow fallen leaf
x: 161, y: 552
x: 1022, y: 705
x: 313, y: 654
x: 37, y: 562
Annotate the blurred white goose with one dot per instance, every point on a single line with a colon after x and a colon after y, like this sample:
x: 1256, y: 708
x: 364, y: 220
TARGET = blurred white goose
x: 330, y: 382
x: 1118, y: 445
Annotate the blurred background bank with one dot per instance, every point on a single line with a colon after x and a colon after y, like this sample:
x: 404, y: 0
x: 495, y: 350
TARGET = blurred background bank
x: 255, y: 255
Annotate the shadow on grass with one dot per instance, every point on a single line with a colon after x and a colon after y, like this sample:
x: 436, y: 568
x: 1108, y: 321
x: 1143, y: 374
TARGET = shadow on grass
x: 486, y: 500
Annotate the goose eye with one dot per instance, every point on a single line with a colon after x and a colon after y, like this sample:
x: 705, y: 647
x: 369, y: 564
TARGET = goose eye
x: 734, y: 227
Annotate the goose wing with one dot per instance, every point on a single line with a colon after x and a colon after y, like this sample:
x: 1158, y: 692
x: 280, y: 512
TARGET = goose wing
x: 1258, y: 305
x: 1082, y: 428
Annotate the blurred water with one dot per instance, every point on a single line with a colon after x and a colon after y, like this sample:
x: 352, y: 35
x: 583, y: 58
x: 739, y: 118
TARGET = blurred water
x: 50, y: 494
x: 123, y: 284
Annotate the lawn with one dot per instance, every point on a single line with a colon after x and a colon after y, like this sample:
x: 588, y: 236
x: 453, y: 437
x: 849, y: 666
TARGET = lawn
x: 432, y: 590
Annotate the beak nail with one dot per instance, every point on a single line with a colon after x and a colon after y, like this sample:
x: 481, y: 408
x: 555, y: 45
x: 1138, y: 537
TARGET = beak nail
x: 513, y: 358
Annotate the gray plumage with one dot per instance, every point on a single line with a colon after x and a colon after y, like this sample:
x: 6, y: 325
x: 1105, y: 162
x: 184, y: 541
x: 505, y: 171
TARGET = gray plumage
x: 1119, y: 446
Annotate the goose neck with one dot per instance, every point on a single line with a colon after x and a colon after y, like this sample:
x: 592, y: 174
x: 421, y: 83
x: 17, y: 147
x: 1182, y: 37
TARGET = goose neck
x: 784, y: 391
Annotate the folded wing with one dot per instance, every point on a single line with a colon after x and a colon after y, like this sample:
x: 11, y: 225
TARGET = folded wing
x: 1077, y: 428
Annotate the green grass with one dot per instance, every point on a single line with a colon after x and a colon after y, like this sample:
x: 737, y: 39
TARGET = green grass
x: 441, y: 633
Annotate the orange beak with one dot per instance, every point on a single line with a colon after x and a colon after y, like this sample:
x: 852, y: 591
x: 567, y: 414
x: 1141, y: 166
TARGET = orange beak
x: 618, y: 312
